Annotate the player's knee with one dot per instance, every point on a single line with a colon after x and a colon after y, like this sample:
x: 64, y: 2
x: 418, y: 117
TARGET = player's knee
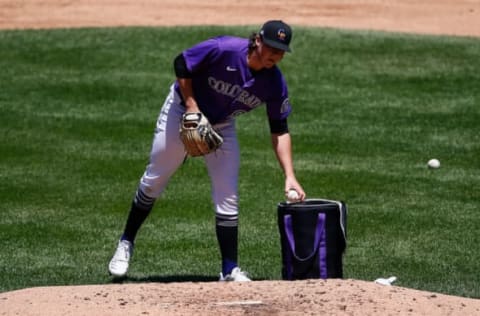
x: 227, y: 206
x: 151, y: 188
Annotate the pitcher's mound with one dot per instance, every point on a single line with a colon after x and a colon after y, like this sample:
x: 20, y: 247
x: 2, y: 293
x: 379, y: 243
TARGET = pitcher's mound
x: 311, y: 297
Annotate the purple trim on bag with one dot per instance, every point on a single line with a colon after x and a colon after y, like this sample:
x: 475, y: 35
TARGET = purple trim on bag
x: 322, y: 262
x: 320, y: 240
x: 287, y: 220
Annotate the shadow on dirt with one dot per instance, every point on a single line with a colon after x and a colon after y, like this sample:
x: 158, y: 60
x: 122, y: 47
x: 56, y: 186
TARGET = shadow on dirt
x: 165, y: 279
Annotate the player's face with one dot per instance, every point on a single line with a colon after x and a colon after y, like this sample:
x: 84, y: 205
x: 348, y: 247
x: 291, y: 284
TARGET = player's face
x: 269, y: 56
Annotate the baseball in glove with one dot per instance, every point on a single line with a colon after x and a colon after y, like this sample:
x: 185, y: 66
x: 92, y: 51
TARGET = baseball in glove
x: 198, y: 135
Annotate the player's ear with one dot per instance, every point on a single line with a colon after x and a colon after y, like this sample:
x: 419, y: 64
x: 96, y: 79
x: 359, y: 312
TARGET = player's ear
x: 258, y: 41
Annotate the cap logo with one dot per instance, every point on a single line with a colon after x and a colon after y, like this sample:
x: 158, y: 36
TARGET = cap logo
x: 281, y: 35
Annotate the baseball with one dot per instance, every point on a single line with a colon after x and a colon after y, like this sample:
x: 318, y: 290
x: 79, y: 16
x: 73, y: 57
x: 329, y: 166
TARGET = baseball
x: 292, y: 196
x: 434, y: 163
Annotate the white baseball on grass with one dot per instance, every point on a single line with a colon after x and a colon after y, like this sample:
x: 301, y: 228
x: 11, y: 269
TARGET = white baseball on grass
x: 434, y: 163
x: 292, y: 195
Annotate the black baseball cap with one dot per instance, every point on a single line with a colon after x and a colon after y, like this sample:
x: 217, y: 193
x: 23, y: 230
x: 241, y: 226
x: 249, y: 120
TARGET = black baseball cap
x: 277, y: 34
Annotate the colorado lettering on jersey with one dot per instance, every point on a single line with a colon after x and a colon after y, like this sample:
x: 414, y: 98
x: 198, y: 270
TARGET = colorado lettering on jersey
x: 235, y: 92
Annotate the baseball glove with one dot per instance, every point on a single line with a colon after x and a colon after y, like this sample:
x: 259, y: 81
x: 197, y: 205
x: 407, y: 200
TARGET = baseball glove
x: 198, y: 136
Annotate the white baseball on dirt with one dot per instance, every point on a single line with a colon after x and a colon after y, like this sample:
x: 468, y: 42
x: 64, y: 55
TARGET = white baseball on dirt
x: 292, y: 196
x: 434, y: 163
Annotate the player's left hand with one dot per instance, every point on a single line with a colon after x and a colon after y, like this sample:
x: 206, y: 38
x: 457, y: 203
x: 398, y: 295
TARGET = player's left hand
x: 198, y: 136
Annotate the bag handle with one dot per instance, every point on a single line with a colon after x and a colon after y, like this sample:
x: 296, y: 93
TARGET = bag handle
x: 319, y: 235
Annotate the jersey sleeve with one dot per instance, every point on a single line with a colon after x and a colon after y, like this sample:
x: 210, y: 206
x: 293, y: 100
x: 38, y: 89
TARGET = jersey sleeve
x: 278, y: 105
x: 201, y: 55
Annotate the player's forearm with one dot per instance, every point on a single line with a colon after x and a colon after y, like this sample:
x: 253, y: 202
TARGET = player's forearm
x: 185, y: 85
x: 282, y: 146
x: 184, y: 78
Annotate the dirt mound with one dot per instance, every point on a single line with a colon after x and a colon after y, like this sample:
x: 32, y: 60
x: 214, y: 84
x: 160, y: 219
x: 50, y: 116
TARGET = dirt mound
x: 310, y: 297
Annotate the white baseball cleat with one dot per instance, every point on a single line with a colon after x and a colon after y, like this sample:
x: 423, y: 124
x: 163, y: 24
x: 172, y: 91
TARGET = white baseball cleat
x: 118, y: 266
x: 236, y: 275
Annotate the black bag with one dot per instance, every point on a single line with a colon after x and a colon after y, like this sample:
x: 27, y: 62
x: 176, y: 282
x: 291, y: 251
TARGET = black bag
x: 313, y: 238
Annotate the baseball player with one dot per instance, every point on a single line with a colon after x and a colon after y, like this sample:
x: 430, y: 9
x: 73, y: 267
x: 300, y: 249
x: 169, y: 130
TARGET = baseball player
x: 217, y: 79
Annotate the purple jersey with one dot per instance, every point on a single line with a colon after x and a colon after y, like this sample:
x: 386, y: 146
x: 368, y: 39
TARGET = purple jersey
x: 225, y: 87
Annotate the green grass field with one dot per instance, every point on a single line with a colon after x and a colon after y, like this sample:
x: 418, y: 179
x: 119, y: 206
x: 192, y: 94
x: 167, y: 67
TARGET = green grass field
x: 77, y: 112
